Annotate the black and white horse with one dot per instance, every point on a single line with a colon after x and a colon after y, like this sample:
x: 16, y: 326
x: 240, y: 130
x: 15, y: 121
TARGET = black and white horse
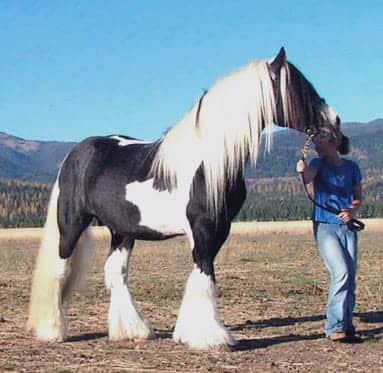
x: 191, y: 182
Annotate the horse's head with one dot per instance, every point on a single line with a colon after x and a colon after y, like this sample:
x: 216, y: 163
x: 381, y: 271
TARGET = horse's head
x: 297, y: 102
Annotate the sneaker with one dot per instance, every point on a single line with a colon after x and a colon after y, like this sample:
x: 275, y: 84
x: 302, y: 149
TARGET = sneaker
x: 338, y: 336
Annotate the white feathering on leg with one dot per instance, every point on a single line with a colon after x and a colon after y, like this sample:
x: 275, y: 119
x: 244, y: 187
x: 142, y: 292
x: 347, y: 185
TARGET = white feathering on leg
x: 198, y: 323
x: 125, y: 320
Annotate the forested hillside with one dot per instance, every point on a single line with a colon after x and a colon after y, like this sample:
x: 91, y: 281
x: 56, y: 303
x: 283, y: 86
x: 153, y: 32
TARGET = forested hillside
x: 285, y: 199
x: 366, y: 149
x: 22, y: 204
x: 274, y: 190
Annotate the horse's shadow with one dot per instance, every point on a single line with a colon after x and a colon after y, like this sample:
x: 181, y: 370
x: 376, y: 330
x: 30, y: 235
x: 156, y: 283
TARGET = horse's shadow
x: 86, y: 337
x: 275, y: 322
x: 251, y: 344
x: 160, y: 334
x: 366, y: 317
x: 370, y: 317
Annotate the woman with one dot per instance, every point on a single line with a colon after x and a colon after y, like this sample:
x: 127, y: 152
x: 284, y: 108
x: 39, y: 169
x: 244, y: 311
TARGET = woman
x: 337, y: 184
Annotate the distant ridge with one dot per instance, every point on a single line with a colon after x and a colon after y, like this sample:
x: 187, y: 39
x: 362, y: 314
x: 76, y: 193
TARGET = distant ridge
x: 30, y: 160
x: 366, y: 148
x: 39, y: 161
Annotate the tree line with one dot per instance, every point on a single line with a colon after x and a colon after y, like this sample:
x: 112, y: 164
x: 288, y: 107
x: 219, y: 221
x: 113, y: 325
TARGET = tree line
x: 25, y: 204
x: 284, y: 198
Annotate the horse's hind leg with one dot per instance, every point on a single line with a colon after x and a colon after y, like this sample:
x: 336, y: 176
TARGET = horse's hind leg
x: 198, y: 323
x: 124, y: 319
x: 79, y: 242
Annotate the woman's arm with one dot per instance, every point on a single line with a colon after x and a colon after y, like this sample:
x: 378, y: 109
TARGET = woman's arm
x: 357, y: 199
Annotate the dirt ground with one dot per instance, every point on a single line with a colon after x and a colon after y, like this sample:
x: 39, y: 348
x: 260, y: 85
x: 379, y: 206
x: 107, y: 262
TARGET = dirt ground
x: 274, y: 289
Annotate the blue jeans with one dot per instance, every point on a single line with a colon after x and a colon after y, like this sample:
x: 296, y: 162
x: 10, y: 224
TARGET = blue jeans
x: 338, y: 246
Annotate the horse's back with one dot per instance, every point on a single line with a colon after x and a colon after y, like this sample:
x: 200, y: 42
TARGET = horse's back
x: 123, y: 156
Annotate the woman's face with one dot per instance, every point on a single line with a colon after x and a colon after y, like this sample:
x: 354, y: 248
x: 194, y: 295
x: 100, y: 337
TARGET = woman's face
x: 324, y: 148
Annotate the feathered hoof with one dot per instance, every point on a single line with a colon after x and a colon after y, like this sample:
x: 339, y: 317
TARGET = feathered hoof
x: 47, y: 335
x: 217, y: 340
x: 136, y: 334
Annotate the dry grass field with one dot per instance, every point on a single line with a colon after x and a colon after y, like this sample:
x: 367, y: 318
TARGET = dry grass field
x: 274, y: 289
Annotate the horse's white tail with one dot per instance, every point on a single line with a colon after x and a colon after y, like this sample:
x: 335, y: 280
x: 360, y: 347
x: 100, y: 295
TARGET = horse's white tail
x: 55, y: 279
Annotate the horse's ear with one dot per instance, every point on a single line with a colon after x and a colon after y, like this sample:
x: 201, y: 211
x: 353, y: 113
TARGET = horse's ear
x: 278, y: 61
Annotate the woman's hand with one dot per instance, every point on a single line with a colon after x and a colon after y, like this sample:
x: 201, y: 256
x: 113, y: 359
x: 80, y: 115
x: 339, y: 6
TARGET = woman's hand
x: 346, y: 215
x: 301, y: 166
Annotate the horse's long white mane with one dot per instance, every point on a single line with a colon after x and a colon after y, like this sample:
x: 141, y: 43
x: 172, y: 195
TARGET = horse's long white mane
x: 226, y: 135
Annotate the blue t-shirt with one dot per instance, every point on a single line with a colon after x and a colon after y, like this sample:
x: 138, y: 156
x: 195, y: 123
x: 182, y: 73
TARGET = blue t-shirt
x: 333, y: 187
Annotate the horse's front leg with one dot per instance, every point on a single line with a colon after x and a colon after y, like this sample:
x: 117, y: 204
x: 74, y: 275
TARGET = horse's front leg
x: 198, y: 324
x: 124, y: 319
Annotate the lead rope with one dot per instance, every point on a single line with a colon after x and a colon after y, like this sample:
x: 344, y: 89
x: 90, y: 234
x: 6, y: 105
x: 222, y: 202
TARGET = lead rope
x: 354, y: 224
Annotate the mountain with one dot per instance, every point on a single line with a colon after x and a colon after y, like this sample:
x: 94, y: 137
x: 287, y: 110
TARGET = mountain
x: 274, y: 189
x: 366, y: 148
x: 34, y: 161
x: 38, y: 161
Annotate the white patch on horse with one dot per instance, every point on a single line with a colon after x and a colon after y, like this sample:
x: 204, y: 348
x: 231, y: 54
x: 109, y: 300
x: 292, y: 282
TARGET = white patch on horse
x: 162, y: 211
x: 122, y: 141
x: 124, y: 319
x: 198, y: 324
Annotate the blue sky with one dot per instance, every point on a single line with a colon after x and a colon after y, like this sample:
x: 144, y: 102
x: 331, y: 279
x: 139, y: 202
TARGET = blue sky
x: 72, y: 69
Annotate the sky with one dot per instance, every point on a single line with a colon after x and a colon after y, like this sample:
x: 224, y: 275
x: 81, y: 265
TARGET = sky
x: 72, y: 69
